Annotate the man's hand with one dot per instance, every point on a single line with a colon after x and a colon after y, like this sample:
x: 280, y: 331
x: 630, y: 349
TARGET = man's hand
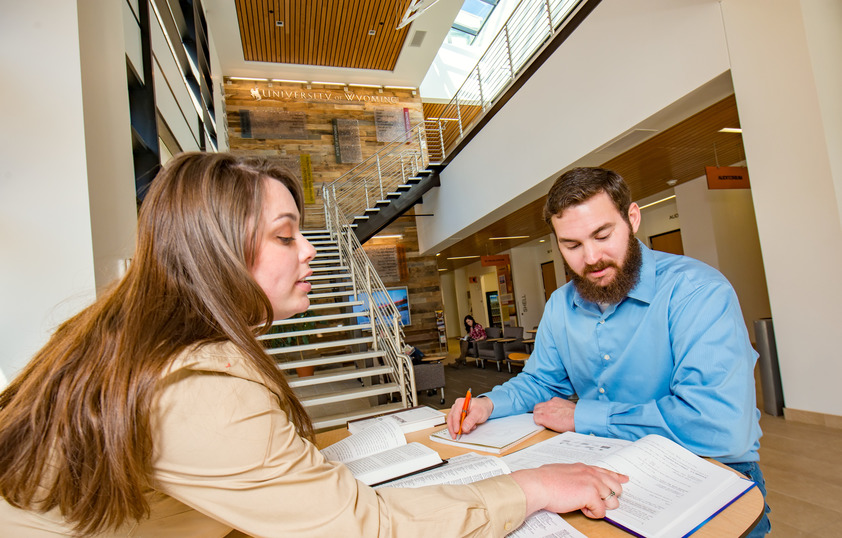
x: 478, y: 412
x: 563, y: 488
x: 555, y: 414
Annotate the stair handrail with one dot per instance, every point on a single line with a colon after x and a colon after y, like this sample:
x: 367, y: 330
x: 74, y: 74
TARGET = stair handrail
x: 361, y: 187
x: 386, y: 327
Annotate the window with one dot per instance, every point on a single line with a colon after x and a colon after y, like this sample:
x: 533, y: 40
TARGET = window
x: 470, y: 20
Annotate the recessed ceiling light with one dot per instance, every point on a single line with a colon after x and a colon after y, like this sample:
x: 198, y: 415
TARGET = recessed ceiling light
x: 731, y: 130
x: 279, y: 24
x: 372, y: 32
x: 462, y: 257
x: 509, y: 237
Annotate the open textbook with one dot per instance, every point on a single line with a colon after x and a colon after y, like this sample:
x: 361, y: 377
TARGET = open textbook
x: 410, y: 420
x: 472, y: 467
x: 379, y: 453
x: 496, y: 435
x: 671, y: 492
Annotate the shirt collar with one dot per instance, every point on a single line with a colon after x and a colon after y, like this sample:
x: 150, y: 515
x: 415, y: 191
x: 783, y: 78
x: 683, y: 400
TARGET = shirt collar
x: 643, y: 291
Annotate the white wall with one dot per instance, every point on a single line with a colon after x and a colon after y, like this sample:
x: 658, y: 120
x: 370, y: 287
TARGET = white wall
x: 720, y: 229
x: 625, y: 62
x: 528, y: 283
x: 795, y: 181
x: 823, y: 25
x: 111, y: 181
x: 47, y: 265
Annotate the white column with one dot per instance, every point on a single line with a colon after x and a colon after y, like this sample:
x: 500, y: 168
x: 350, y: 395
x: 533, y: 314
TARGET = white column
x: 780, y: 51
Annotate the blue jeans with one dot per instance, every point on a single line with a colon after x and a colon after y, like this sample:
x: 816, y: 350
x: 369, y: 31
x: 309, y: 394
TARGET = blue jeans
x: 752, y: 471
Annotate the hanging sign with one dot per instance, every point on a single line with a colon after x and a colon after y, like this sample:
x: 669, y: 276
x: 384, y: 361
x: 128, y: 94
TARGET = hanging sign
x: 727, y: 177
x: 491, y: 261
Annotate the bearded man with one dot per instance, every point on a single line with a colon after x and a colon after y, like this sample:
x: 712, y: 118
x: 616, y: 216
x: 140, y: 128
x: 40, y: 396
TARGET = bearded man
x: 651, y: 343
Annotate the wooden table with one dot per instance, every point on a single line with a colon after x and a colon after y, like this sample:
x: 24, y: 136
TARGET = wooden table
x: 734, y: 520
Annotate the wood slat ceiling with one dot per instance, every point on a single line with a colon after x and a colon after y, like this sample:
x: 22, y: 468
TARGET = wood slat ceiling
x: 680, y: 152
x: 333, y: 33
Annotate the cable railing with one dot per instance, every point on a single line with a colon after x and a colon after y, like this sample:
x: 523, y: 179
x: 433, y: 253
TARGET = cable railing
x: 373, y: 179
x: 532, y: 24
x: 386, y: 326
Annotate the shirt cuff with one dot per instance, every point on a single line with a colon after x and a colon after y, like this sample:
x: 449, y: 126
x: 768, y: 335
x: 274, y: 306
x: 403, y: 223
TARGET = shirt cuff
x: 591, y: 417
x: 505, y: 501
x: 502, y: 403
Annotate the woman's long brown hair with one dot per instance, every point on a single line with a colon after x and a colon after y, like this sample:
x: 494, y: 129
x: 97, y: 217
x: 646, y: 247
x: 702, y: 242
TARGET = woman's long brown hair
x: 75, y: 424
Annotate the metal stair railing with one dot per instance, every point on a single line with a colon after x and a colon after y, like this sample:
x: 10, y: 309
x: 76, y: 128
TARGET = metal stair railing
x: 386, y: 327
x: 373, y: 179
x: 532, y: 24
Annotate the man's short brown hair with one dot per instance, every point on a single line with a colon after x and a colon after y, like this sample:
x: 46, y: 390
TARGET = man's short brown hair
x: 578, y: 185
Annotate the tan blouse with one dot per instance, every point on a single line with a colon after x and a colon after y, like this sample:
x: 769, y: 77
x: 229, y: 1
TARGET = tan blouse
x: 227, y: 457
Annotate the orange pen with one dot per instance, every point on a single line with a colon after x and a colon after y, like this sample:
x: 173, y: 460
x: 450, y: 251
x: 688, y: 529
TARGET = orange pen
x: 465, y: 407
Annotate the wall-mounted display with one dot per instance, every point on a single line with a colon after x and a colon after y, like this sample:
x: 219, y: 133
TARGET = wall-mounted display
x: 346, y: 139
x: 397, y: 296
x: 389, y: 123
x: 272, y: 123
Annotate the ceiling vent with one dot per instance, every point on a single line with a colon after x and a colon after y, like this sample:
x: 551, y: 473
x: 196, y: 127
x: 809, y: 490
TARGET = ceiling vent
x: 417, y: 38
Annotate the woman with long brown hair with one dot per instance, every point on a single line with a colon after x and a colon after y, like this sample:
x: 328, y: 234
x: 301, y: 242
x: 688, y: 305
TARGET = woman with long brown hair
x: 155, y: 411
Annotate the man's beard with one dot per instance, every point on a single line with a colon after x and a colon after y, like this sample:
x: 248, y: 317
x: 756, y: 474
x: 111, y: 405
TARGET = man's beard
x: 625, y: 277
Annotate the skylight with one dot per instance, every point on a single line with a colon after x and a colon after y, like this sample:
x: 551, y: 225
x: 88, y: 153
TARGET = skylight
x: 470, y: 20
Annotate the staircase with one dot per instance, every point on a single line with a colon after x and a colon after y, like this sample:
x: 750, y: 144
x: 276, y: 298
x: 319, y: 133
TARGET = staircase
x: 355, y: 375
x: 380, y: 189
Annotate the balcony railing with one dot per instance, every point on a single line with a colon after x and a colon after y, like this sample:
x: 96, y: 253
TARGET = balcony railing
x: 532, y: 24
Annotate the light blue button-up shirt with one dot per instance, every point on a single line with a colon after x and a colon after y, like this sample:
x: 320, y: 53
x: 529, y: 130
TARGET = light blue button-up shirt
x: 673, y: 358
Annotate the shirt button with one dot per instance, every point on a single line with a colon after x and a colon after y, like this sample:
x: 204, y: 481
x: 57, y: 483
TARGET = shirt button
x: 507, y: 526
x: 607, y: 357
x: 602, y: 391
x: 602, y: 321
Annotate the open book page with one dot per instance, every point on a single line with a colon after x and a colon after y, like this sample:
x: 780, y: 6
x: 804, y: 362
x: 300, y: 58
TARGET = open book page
x: 496, y: 435
x: 376, y: 438
x: 543, y: 524
x: 393, y: 463
x: 462, y: 469
x: 472, y: 467
x: 569, y: 447
x: 671, y: 491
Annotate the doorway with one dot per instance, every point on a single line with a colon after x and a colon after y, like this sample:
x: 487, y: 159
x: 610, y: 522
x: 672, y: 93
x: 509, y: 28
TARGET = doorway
x: 668, y: 242
x: 548, y: 274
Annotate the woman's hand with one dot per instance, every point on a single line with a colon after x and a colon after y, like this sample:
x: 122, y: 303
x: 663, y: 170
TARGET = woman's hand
x: 564, y: 488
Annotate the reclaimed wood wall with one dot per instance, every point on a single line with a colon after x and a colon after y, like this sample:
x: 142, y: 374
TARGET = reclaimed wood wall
x: 319, y: 106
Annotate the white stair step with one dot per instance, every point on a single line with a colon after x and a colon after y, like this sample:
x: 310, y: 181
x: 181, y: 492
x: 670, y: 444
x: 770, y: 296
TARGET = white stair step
x: 361, y: 217
x: 328, y: 268
x: 332, y: 421
x: 322, y: 330
x: 313, y: 319
x: 321, y: 262
x: 328, y: 277
x: 338, y: 374
x: 331, y: 285
x: 331, y: 294
x: 331, y: 359
x: 319, y: 345
x: 351, y: 394
x: 341, y: 304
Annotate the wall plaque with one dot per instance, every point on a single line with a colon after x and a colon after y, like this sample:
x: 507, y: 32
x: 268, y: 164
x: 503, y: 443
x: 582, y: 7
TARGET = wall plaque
x: 346, y: 138
x: 274, y: 124
x: 388, y: 260
x: 389, y: 123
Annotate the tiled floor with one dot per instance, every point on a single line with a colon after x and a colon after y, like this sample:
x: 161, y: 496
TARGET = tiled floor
x: 802, y: 463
